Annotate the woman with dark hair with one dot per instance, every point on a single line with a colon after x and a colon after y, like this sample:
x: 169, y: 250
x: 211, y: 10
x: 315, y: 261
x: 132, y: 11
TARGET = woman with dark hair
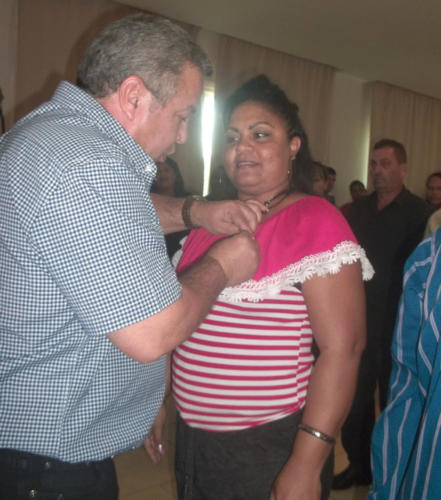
x: 169, y: 182
x: 257, y: 414
x: 433, y: 190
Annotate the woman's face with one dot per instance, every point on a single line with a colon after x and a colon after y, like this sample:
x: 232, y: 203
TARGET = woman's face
x: 258, y: 153
x: 433, y: 191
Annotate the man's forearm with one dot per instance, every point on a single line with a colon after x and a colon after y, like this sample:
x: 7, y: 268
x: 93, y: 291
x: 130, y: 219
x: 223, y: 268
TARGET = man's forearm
x: 217, y: 217
x: 159, y: 334
x: 169, y: 211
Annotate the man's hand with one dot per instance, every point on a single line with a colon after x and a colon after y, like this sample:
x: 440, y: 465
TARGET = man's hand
x: 238, y: 255
x: 227, y: 217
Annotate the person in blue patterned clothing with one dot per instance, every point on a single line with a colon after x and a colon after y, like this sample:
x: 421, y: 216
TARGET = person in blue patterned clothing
x: 406, y: 444
x: 90, y: 304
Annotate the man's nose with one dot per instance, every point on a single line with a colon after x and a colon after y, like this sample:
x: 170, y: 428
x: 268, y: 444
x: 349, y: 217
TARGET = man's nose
x: 182, y: 133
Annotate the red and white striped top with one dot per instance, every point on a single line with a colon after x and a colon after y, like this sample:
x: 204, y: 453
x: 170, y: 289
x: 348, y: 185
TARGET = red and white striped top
x: 249, y: 361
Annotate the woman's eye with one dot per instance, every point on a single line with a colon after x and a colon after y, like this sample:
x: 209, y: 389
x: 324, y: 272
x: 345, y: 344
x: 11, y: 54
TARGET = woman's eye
x: 231, y: 139
x: 260, y: 134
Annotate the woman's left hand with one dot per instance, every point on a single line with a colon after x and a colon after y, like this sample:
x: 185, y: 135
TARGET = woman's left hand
x: 154, y: 443
x: 294, y: 483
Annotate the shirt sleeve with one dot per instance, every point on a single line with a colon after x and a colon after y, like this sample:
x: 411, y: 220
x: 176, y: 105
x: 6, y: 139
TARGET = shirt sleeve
x: 310, y: 235
x: 101, y: 241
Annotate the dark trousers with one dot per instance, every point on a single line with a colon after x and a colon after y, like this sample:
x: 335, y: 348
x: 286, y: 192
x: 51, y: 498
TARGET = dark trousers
x: 26, y: 476
x: 375, y: 367
x: 240, y: 465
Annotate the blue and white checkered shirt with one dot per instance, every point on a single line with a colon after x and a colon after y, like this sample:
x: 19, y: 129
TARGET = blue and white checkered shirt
x: 82, y: 255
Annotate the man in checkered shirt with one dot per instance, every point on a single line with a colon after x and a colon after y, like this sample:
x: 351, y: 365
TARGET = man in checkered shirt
x: 90, y: 304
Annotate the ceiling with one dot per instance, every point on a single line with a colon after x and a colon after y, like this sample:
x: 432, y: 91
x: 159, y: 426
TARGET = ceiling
x: 394, y: 41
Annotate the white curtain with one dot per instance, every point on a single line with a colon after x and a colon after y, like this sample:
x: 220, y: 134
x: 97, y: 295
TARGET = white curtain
x: 415, y: 121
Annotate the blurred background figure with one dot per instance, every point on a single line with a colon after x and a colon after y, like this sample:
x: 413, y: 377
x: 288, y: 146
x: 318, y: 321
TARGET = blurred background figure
x: 169, y: 182
x: 319, y: 179
x: 433, y: 190
x: 330, y: 178
x: 357, y: 190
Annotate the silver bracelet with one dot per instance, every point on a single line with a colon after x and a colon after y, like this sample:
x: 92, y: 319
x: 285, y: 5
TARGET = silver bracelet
x: 316, y: 433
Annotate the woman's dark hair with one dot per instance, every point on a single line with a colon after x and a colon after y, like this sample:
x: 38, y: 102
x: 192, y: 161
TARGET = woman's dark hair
x: 261, y: 89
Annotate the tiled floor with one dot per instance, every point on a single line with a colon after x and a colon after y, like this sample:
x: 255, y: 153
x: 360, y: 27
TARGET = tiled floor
x: 140, y: 479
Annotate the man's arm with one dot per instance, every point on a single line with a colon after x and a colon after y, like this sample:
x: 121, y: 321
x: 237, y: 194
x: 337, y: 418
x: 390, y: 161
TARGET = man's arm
x: 227, y: 263
x: 217, y: 217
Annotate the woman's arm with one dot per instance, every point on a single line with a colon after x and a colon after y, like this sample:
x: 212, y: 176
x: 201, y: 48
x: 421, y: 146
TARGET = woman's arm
x: 336, y: 307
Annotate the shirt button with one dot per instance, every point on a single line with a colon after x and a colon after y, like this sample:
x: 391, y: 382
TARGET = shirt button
x: 47, y: 465
x: 33, y: 493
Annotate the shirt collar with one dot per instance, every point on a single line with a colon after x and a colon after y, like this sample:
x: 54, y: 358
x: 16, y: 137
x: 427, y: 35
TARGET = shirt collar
x: 72, y: 97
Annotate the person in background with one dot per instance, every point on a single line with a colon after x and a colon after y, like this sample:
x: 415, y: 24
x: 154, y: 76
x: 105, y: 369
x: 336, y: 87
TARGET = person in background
x: 258, y: 416
x: 319, y: 179
x: 169, y: 182
x: 433, y: 190
x: 330, y: 178
x: 357, y: 190
x: 389, y: 224
x: 406, y: 444
x: 90, y: 303
x: 433, y: 223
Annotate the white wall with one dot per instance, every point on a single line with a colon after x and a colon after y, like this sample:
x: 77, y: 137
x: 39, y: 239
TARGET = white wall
x: 350, y: 128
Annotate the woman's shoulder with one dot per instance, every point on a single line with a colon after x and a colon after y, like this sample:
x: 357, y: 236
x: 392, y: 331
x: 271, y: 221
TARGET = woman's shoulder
x: 315, y: 207
x: 311, y: 219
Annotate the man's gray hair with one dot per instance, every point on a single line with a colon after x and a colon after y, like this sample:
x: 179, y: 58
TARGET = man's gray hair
x: 151, y: 47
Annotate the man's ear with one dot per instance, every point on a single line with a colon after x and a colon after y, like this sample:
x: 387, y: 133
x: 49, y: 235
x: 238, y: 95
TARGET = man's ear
x: 134, y: 97
x: 403, y: 167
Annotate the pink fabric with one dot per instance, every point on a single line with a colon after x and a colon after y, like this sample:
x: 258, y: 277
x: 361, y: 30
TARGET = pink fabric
x: 278, y: 246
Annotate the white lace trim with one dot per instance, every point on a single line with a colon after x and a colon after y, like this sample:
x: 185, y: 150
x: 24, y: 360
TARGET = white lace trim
x: 321, y: 264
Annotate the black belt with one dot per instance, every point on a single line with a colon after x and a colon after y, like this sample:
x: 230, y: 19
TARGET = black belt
x: 38, y: 463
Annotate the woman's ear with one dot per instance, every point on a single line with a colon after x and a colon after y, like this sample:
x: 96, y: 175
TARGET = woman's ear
x: 294, y: 146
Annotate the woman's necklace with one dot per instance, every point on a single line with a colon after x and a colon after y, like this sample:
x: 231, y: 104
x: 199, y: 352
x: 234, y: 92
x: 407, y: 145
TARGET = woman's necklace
x: 267, y: 203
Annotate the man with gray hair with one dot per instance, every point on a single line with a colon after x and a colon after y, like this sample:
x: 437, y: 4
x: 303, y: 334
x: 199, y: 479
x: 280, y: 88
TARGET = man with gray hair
x: 90, y: 304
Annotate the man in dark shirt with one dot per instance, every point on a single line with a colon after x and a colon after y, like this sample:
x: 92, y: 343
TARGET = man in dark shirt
x: 389, y: 224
